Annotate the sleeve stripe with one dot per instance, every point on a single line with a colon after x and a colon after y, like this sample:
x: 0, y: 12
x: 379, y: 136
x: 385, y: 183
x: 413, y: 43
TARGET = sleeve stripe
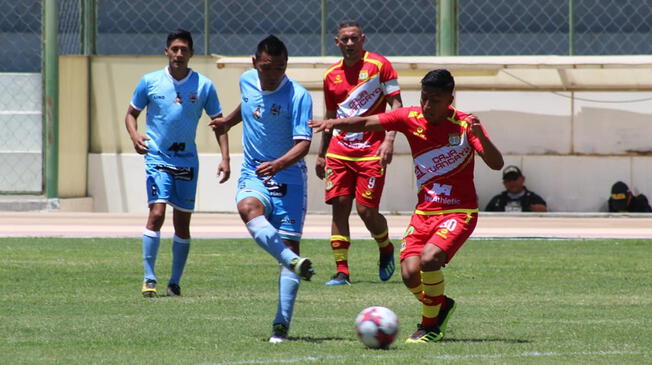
x: 390, y: 86
x: 302, y: 138
x: 135, y: 107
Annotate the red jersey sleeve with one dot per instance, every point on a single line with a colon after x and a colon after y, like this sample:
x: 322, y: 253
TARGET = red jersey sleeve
x: 396, y: 120
x: 328, y: 96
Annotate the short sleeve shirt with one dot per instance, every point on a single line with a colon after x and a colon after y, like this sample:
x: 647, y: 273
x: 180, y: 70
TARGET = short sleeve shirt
x: 443, y: 156
x: 173, y: 111
x: 358, y: 91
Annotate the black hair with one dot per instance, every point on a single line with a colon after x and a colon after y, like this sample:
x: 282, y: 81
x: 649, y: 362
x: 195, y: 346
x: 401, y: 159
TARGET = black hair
x: 180, y: 34
x: 347, y: 24
x: 439, y: 79
x: 272, y: 46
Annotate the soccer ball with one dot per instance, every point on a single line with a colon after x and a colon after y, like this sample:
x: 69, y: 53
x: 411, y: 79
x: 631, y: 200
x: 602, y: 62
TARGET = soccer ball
x: 376, y: 327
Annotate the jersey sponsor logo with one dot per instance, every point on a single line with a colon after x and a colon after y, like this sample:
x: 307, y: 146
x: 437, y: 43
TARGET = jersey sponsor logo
x: 363, y: 75
x: 454, y: 139
x: 440, y: 161
x: 361, y: 99
x: 276, y: 189
x: 419, y: 132
x: 158, y: 97
x: 440, y: 193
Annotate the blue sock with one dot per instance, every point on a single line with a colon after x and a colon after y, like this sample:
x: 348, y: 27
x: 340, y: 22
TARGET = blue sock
x: 151, y: 242
x: 180, y: 249
x: 267, y: 237
x: 288, y: 285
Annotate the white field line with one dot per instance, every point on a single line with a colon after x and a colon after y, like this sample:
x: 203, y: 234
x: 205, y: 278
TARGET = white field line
x: 529, y: 354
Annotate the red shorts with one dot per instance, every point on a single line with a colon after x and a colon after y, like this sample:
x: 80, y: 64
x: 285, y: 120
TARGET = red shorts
x: 447, y: 231
x: 363, y: 179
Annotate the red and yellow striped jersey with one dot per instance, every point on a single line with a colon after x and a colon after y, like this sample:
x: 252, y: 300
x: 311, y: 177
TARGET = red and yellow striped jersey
x: 443, y: 156
x: 358, y: 91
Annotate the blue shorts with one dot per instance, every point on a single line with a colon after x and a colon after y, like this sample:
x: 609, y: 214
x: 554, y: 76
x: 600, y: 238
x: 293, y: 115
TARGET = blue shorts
x: 176, y: 186
x: 285, y: 204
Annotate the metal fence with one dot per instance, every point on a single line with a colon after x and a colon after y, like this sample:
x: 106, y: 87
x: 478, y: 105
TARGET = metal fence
x: 233, y: 27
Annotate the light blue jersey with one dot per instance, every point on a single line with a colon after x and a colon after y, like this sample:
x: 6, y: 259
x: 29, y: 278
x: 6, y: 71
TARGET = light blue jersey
x: 273, y: 122
x: 173, y: 111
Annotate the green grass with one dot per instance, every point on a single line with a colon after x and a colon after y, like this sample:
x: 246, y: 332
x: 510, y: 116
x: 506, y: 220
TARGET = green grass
x: 77, y: 301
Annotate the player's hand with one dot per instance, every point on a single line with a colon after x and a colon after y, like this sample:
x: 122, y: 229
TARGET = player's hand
x: 220, y: 126
x: 267, y: 169
x: 320, y: 167
x: 385, y: 151
x: 476, y: 127
x: 140, y: 144
x: 321, y: 125
x: 224, y: 171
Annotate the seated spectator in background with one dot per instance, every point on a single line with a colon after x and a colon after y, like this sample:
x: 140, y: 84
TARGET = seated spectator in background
x: 516, y: 197
x: 622, y: 200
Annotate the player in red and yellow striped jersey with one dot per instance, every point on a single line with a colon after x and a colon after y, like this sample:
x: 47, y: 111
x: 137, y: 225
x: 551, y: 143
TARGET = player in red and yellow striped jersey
x: 353, y: 164
x: 443, y: 142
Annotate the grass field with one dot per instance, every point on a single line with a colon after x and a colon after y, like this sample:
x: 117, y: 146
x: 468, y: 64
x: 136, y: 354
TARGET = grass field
x: 77, y: 301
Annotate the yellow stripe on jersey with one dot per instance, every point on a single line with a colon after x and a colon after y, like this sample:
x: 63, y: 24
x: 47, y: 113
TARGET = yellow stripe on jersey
x: 337, y: 65
x: 462, y: 123
x: 347, y: 158
x: 375, y: 62
x: 446, y: 211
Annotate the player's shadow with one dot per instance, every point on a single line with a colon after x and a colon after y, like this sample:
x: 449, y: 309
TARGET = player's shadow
x: 471, y: 340
x: 316, y: 339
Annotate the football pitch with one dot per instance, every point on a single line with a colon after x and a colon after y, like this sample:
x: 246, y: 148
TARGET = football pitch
x: 77, y: 301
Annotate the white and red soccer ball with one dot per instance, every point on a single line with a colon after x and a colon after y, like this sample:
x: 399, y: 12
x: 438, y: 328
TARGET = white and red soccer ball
x: 376, y: 327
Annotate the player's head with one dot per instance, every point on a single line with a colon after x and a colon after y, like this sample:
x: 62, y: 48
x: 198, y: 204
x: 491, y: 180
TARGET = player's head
x: 270, y: 61
x: 437, y: 95
x: 513, y: 179
x: 179, y: 48
x: 350, y: 40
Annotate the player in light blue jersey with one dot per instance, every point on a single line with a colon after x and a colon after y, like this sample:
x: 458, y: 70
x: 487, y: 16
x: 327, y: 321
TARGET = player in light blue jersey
x: 175, y: 98
x: 272, y: 190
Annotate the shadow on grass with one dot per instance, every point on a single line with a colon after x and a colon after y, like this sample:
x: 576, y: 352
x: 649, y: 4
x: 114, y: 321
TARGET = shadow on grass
x: 315, y: 339
x: 504, y: 340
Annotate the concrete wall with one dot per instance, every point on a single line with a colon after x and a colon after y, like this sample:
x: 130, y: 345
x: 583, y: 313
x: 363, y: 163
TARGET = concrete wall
x: 571, y: 146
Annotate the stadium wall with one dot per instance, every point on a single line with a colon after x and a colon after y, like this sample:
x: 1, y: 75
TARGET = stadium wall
x: 571, y: 146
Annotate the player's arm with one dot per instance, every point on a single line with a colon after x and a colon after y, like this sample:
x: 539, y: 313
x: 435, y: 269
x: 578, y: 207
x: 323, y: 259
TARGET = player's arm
x: 296, y: 153
x: 353, y: 124
x: 224, y: 167
x: 386, y: 149
x: 490, y: 154
x: 320, y: 163
x: 222, y: 125
x: 131, y: 122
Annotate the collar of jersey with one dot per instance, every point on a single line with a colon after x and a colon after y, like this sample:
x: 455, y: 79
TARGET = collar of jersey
x: 280, y: 85
x: 178, y: 82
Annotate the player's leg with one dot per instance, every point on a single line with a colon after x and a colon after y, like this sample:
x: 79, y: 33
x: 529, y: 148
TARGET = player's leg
x: 180, y: 249
x: 254, y: 203
x: 340, y: 190
x: 158, y: 185
x: 369, y: 187
x: 288, y: 287
x: 182, y: 198
x: 288, y: 215
x: 449, y: 232
x: 340, y: 238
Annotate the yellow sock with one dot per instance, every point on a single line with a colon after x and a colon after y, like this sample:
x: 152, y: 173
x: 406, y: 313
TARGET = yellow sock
x: 384, y: 244
x: 417, y: 292
x: 340, y: 245
x: 433, y: 295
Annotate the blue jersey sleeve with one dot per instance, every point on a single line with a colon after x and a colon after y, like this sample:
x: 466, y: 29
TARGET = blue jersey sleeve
x: 301, y: 114
x: 140, y: 100
x: 212, y: 105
